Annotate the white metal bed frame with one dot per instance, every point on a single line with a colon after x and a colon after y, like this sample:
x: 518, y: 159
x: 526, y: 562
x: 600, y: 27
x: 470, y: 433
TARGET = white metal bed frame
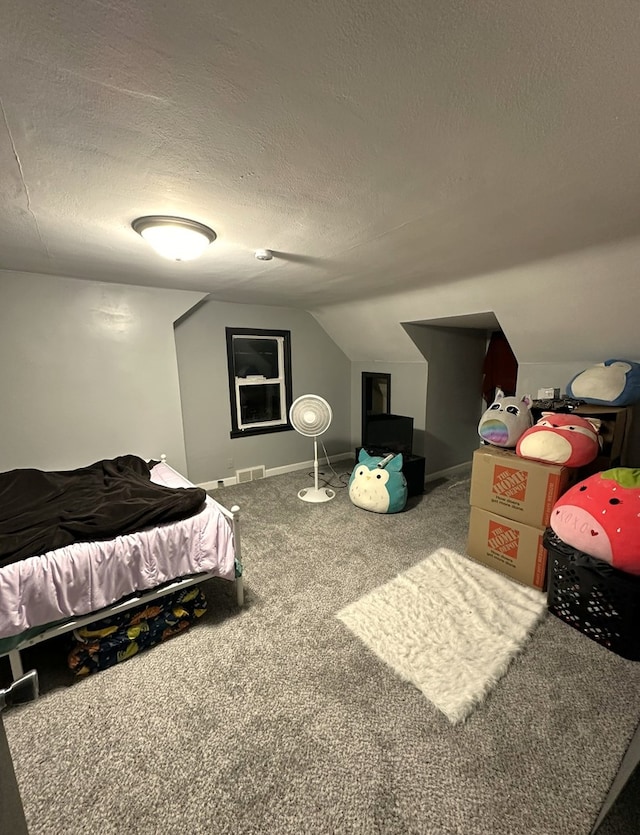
x: 233, y: 517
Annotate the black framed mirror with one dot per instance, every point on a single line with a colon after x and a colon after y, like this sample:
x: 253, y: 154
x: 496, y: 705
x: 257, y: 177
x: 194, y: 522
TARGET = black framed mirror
x: 376, y: 396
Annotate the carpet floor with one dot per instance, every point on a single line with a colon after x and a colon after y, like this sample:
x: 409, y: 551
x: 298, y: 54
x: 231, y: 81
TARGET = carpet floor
x: 277, y: 719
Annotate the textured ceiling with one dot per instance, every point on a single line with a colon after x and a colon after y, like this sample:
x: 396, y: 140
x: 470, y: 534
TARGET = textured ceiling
x: 374, y: 145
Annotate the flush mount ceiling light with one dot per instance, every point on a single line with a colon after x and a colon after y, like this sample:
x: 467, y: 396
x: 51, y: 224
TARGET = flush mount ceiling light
x: 175, y: 238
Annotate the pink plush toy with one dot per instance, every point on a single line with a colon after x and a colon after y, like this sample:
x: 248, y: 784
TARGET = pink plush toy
x: 601, y: 517
x: 561, y: 439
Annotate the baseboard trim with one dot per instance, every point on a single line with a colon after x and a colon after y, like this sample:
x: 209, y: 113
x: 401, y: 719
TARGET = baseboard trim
x: 448, y: 472
x: 271, y: 471
x: 220, y: 482
x: 342, y: 456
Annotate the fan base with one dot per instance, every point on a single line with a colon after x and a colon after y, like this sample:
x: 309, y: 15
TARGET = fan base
x: 316, y: 494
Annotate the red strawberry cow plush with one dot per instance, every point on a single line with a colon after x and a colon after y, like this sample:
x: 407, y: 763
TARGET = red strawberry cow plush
x: 601, y: 517
x: 561, y: 439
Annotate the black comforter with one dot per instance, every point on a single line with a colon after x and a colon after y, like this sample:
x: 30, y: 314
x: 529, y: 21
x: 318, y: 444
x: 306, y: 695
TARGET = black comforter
x: 40, y: 511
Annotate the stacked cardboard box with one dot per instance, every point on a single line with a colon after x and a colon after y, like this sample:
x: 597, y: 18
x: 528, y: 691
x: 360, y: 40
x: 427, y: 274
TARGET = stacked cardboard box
x: 511, y: 501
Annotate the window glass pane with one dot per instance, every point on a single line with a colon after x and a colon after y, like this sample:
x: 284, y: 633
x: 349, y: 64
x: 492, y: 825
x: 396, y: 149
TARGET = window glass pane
x: 259, y: 404
x: 259, y: 380
x: 253, y: 356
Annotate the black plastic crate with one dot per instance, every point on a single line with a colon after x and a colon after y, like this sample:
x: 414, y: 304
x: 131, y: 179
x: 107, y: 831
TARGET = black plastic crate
x: 599, y: 600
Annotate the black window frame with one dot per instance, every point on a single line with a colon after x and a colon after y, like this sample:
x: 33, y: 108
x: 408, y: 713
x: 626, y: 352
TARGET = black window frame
x: 236, y: 431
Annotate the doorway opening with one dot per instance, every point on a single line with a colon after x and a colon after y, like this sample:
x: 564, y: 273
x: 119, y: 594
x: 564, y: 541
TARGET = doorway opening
x: 499, y: 369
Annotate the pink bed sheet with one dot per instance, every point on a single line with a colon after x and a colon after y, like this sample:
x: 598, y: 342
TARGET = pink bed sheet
x: 87, y: 576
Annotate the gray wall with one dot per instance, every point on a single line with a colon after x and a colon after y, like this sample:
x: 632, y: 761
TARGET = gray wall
x: 318, y: 367
x: 72, y: 349
x: 408, y: 396
x: 454, y: 401
x: 559, y: 316
x: 563, y: 310
x: 88, y: 371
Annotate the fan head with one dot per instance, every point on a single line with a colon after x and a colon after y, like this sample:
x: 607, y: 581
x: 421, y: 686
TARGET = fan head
x: 310, y: 415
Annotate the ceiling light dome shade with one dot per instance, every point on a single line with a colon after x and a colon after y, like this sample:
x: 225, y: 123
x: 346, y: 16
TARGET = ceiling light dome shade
x: 175, y: 238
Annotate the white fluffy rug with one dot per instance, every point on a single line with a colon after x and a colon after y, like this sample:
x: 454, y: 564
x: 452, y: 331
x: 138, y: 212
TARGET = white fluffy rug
x: 448, y: 625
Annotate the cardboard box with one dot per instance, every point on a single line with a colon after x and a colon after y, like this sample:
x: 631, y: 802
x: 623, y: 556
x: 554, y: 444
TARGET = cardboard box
x: 509, y: 547
x: 510, y: 486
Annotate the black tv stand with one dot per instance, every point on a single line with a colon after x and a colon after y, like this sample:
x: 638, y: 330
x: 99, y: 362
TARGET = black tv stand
x: 412, y: 468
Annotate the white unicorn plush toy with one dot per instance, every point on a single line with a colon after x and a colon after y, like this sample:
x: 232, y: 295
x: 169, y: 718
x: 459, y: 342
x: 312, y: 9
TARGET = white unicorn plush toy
x: 506, y: 419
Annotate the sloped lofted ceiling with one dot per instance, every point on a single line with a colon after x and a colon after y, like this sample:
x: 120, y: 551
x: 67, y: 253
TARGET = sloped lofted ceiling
x: 374, y: 145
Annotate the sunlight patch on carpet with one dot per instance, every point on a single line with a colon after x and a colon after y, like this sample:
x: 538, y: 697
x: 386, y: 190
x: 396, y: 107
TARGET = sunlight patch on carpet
x: 448, y: 625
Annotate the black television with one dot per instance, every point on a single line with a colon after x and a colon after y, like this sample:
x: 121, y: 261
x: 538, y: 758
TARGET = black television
x: 388, y: 433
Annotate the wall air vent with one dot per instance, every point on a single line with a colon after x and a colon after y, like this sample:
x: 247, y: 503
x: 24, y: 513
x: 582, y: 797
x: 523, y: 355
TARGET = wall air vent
x: 250, y: 474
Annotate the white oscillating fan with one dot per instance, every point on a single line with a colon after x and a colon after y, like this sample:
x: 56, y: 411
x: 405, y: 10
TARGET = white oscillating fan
x: 310, y: 415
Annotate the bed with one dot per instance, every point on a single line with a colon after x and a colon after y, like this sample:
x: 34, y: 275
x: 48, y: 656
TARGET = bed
x: 171, y: 539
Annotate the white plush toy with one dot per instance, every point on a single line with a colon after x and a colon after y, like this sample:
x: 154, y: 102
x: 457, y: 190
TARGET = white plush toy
x: 506, y: 419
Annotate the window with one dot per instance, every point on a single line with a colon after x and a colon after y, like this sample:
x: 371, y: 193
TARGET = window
x: 259, y: 380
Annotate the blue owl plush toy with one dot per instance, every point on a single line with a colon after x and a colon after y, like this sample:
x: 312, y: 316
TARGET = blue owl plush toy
x: 610, y: 383
x: 382, y: 489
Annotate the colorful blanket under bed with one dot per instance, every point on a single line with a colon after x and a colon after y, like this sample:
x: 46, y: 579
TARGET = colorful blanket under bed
x: 108, y: 641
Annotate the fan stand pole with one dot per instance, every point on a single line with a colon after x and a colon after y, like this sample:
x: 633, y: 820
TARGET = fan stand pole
x: 315, y: 493
x: 315, y: 463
